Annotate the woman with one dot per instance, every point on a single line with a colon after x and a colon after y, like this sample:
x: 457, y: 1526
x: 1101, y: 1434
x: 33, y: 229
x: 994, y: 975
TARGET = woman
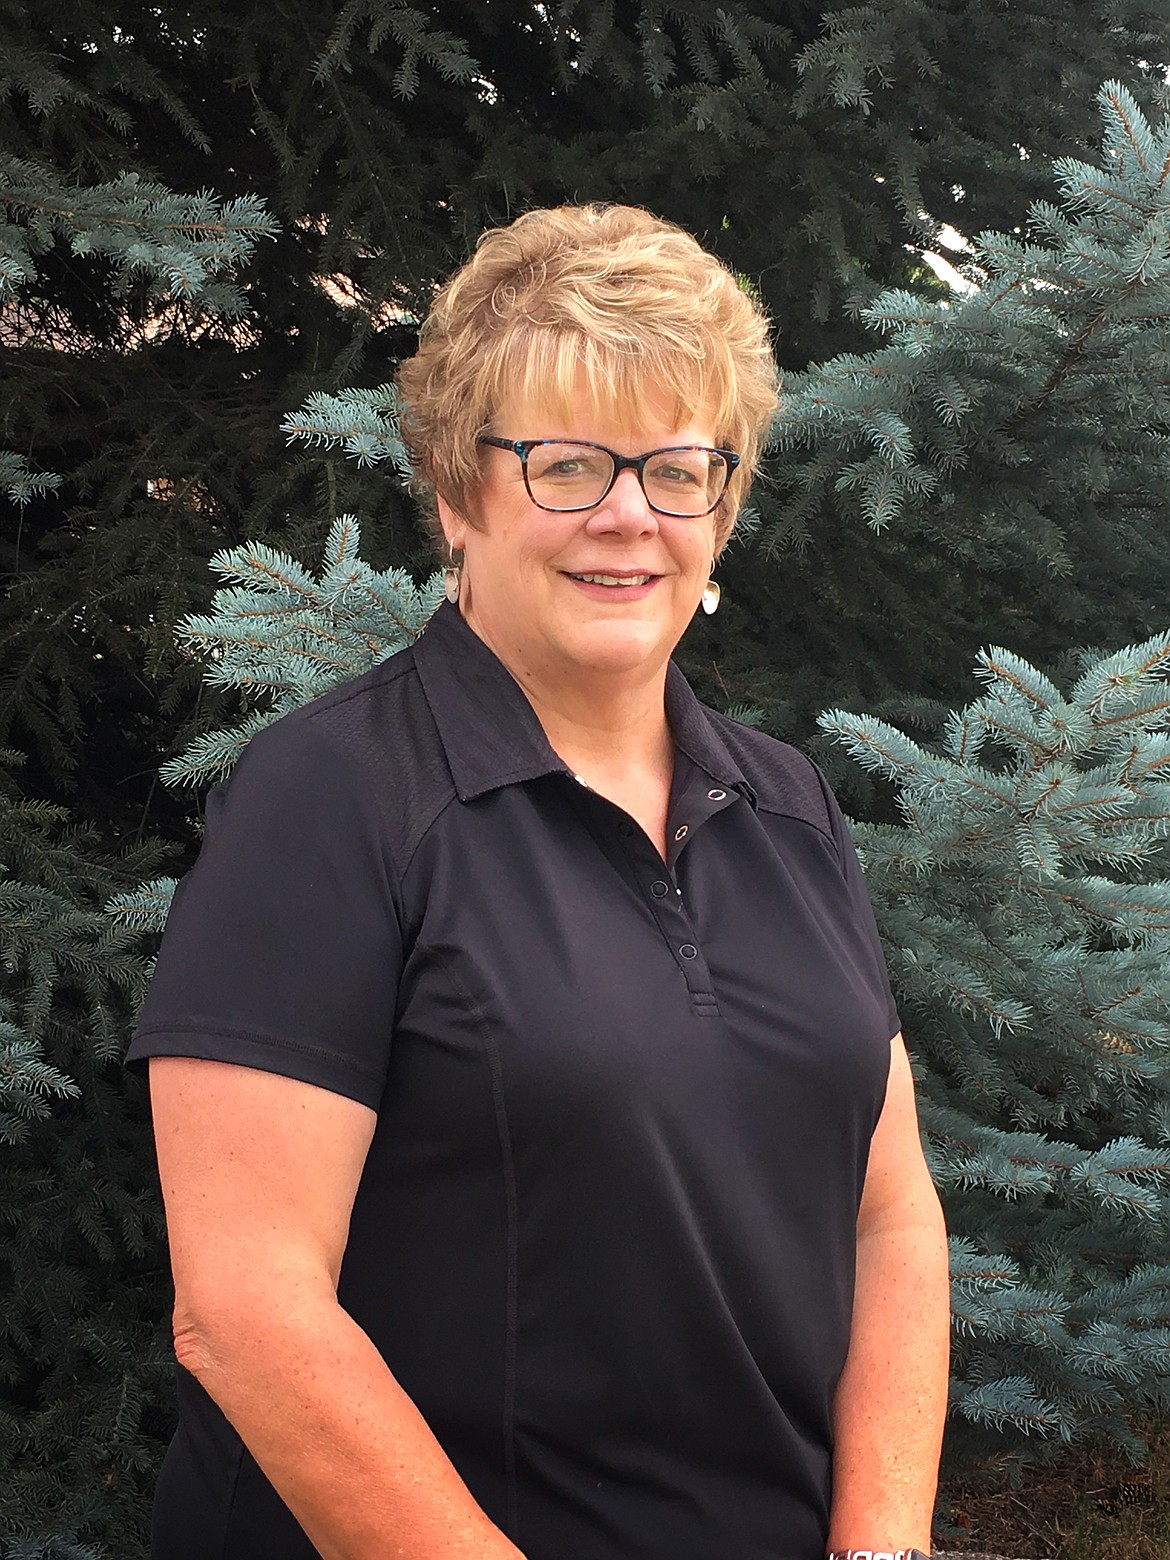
x: 542, y: 1177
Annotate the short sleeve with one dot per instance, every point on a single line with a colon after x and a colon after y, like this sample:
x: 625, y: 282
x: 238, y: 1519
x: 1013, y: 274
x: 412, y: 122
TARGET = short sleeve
x: 859, y: 899
x: 282, y: 950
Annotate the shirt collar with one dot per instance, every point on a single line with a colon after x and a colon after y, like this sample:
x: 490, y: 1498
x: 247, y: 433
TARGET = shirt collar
x: 491, y: 734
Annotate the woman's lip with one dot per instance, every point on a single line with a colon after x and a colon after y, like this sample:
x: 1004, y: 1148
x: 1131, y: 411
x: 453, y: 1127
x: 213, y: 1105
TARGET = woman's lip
x: 615, y: 592
x: 613, y: 574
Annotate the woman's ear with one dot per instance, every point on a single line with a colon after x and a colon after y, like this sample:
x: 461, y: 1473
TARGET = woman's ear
x: 453, y: 523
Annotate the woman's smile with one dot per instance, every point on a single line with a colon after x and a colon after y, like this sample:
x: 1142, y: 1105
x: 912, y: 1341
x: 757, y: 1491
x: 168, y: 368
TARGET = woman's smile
x: 614, y: 585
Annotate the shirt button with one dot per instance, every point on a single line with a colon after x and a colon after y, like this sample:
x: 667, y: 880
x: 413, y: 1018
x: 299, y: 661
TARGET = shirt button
x: 716, y: 796
x: 626, y: 829
x: 660, y: 889
x: 689, y: 951
x: 682, y: 832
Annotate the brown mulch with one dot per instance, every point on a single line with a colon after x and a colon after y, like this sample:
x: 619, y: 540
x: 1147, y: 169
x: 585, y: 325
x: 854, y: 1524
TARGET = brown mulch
x: 1093, y: 1504
x: 954, y: 1554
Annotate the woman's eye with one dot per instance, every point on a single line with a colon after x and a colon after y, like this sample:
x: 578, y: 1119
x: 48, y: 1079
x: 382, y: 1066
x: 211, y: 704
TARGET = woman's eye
x: 568, y: 466
x: 679, y: 476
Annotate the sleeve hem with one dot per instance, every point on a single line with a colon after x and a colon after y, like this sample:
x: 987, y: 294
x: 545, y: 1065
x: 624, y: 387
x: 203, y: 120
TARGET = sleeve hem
x: 290, y: 1059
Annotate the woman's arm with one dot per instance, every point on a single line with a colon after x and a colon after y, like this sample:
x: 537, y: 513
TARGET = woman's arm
x: 891, y: 1399
x: 259, y: 1174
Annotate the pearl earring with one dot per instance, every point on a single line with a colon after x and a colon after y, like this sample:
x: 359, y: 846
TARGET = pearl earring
x: 709, y: 600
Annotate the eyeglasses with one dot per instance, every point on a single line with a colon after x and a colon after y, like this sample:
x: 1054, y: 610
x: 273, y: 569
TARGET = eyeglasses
x: 683, y: 480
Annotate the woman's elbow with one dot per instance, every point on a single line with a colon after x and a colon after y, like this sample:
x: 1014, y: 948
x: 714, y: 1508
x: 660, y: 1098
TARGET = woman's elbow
x: 208, y: 1340
x: 193, y: 1348
x: 218, y: 1328
x: 229, y: 1332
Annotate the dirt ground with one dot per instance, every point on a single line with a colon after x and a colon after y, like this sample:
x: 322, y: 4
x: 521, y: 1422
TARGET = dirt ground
x: 1092, y: 1506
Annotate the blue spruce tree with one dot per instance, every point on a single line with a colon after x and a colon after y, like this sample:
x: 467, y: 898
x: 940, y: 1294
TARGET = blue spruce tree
x: 1005, y: 447
x: 1024, y: 904
x: 1023, y: 890
x: 84, y: 1357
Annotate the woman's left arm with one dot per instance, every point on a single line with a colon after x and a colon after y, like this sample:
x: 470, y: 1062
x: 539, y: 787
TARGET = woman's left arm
x: 891, y: 1399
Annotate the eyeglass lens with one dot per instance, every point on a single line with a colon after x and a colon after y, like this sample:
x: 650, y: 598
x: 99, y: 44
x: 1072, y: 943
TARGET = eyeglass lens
x: 576, y: 476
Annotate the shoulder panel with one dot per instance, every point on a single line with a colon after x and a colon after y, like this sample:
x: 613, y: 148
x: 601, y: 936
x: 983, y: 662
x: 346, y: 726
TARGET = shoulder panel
x: 383, y: 723
x: 783, y: 778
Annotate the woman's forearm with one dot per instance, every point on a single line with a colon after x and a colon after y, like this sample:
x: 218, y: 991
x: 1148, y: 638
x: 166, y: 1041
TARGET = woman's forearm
x: 339, y: 1440
x: 891, y: 1400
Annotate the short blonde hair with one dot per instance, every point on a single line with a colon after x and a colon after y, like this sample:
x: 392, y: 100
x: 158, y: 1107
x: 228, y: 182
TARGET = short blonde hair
x: 608, y: 297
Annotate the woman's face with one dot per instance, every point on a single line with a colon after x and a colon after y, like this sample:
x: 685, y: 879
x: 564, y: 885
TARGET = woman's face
x: 525, y: 588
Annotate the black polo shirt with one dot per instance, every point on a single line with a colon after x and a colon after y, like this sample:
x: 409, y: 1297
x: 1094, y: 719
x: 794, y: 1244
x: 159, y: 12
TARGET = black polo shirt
x: 604, y: 1236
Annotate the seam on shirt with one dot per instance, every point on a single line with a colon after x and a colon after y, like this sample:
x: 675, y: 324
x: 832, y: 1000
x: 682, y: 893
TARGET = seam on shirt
x: 513, y: 1283
x: 370, y: 790
x: 411, y: 849
x: 783, y: 812
x: 512, y: 1247
x: 391, y: 673
x: 235, y: 1487
x: 273, y: 1043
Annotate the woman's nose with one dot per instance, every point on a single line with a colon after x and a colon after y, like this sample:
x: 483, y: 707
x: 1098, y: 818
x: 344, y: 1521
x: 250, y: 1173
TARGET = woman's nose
x: 624, y: 508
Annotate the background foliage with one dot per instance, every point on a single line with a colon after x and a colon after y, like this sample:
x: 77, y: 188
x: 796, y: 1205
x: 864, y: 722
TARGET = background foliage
x: 219, y: 229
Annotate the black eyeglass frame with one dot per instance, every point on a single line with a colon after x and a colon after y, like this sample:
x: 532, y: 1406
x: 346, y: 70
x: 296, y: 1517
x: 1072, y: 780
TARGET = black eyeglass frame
x: 524, y: 447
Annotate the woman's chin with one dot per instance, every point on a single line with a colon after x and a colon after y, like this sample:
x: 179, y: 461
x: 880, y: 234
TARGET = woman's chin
x: 615, y: 649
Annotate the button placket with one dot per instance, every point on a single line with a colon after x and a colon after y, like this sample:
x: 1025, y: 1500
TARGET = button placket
x: 665, y: 902
x: 701, y: 800
x: 662, y: 896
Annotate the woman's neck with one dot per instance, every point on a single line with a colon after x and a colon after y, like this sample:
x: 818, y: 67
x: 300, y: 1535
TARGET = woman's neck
x: 606, y: 731
x: 595, y: 718
x: 611, y: 730
x: 621, y: 749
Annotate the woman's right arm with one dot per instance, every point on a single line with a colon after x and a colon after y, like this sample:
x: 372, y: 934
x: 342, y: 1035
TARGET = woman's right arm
x: 259, y: 1173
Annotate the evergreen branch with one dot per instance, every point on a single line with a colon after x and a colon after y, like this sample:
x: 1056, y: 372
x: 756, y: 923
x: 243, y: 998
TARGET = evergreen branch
x: 20, y: 482
x: 1012, y: 1401
x: 1158, y: 710
x: 1070, y: 361
x: 1128, y: 115
x: 182, y: 240
x: 74, y: 214
x: 143, y: 909
x: 264, y: 638
x: 1109, y: 191
x: 1000, y: 665
x: 363, y: 422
